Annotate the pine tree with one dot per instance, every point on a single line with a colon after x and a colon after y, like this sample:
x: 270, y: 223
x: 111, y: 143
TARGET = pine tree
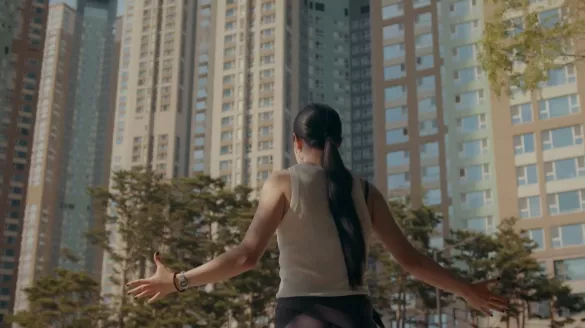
x: 508, y: 255
x: 474, y: 262
x: 396, y: 289
x: 64, y: 300
x: 133, y: 212
x: 190, y: 221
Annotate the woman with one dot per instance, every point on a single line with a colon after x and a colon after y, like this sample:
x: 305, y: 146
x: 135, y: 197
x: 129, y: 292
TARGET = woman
x: 323, y: 225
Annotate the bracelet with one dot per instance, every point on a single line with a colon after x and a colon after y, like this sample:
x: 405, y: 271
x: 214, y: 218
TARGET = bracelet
x: 175, y: 282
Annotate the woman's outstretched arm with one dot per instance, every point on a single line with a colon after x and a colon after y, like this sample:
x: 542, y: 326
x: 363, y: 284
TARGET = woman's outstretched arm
x: 243, y: 257
x: 246, y: 255
x: 421, y: 266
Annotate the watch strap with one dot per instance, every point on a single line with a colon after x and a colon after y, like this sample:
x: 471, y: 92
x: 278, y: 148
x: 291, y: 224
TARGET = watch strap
x: 175, y: 282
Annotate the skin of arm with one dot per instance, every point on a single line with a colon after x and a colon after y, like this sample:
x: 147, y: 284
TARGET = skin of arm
x: 414, y: 262
x: 271, y: 208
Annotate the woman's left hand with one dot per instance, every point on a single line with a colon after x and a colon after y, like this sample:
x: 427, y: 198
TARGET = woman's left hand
x: 156, y: 287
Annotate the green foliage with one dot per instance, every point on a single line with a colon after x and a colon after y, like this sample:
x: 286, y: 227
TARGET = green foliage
x: 508, y: 255
x: 520, y: 45
x: 477, y: 257
x: 394, y: 290
x: 189, y: 221
x: 65, y: 300
x: 193, y: 220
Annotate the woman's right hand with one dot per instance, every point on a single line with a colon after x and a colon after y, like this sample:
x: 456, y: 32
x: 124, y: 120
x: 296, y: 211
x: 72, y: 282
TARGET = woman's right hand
x: 480, y: 297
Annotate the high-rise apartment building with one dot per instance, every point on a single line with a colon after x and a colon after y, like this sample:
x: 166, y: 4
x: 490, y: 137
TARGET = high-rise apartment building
x: 272, y: 58
x: 444, y: 139
x: 91, y: 128
x: 70, y: 152
x: 539, y: 153
x: 409, y: 123
x: 8, y: 10
x: 254, y: 88
x: 225, y: 107
x: 202, y: 97
x: 23, y: 33
x: 361, y: 125
x: 155, y: 86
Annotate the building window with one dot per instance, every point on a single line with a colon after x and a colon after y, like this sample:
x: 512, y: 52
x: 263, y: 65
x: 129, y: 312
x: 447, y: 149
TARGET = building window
x: 429, y: 150
x: 473, y: 148
x: 395, y: 93
x: 393, y: 10
x: 566, y: 202
x: 559, y: 106
x: 570, y: 269
x: 474, y: 173
x: 568, y: 235
x: 524, y: 144
x: 562, y: 137
x: 476, y: 199
x: 398, y: 158
x: 395, y: 136
x: 394, y: 51
x: 537, y: 236
x: 521, y: 114
x: 393, y: 31
x: 430, y: 173
x: 529, y: 207
x: 398, y: 181
x: 565, y: 169
x: 481, y: 224
x: 526, y: 175
x: 432, y: 197
x: 396, y: 114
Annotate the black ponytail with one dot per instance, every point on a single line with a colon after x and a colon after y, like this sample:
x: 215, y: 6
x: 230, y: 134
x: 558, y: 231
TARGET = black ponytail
x: 320, y: 127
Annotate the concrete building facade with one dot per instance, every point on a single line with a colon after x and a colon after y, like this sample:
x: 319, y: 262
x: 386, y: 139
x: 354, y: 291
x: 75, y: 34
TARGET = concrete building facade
x: 153, y: 105
x: 540, y: 162
x: 22, y: 29
x: 443, y: 138
x: 73, y: 122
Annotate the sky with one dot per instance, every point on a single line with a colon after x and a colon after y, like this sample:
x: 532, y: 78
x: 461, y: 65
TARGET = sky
x: 121, y: 6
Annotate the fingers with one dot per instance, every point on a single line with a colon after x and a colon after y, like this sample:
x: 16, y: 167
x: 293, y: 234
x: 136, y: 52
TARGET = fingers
x: 155, y: 298
x: 137, y: 282
x: 498, y: 306
x: 499, y: 300
x: 157, y: 259
x: 144, y: 294
x: 485, y: 310
x: 138, y: 289
x: 491, y: 282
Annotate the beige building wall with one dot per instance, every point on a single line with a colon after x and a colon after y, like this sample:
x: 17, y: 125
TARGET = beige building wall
x: 26, y: 35
x: 154, y: 90
x: 250, y: 134
x: 44, y: 180
x: 540, y: 164
x: 201, y: 116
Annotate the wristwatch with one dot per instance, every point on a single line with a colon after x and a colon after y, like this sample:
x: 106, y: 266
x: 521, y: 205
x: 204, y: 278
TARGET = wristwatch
x: 183, y: 282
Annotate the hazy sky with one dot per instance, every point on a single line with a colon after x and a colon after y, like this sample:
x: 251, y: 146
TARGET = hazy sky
x: 121, y: 6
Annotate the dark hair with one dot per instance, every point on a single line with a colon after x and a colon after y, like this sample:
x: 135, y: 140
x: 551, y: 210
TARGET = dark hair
x: 319, y: 126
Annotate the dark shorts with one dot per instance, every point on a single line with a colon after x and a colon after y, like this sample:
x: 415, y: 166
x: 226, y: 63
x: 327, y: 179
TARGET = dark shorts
x: 320, y: 312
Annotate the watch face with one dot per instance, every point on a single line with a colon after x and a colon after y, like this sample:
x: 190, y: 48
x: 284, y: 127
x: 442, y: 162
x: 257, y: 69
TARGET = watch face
x: 183, y: 281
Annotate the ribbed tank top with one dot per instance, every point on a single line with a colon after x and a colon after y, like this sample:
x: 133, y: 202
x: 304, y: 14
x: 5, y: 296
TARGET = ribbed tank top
x: 311, y: 259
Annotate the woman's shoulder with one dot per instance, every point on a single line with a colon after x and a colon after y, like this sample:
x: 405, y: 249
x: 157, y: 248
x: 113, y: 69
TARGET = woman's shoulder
x: 278, y: 180
x: 278, y: 183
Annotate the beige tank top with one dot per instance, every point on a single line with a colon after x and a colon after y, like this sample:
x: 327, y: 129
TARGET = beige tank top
x: 311, y: 259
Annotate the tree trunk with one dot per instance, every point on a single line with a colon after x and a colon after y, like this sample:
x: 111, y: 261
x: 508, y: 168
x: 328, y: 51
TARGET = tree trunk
x: 402, y: 308
x: 123, y: 299
x: 525, y: 309
x: 552, y: 314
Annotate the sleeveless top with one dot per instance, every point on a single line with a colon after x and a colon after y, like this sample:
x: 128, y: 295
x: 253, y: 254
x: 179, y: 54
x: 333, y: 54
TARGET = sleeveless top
x: 311, y: 260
